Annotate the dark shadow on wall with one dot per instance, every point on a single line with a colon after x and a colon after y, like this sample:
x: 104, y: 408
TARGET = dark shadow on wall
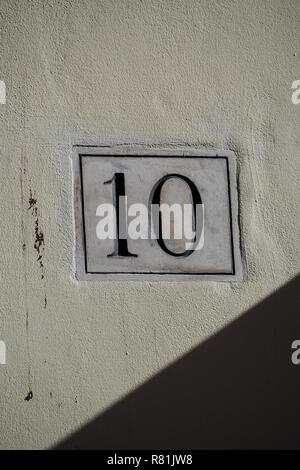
x: 239, y: 389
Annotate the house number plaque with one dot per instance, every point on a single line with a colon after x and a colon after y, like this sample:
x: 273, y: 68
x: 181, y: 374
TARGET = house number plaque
x: 155, y: 214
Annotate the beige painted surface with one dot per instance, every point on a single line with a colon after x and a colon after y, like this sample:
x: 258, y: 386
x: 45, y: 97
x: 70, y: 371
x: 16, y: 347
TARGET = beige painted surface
x: 210, y: 73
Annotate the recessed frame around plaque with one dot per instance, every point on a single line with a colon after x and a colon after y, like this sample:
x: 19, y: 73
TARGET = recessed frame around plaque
x: 212, y: 173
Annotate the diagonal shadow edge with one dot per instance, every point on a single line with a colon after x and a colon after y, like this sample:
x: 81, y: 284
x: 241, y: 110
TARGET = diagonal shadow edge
x: 236, y: 390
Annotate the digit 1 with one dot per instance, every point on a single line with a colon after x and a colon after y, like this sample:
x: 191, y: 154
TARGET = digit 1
x: 121, y: 245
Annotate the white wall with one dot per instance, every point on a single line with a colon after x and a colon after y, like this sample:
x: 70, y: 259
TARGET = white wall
x: 210, y: 73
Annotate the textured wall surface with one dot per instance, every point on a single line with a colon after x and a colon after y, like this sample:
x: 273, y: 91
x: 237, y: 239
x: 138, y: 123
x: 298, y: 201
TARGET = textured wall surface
x: 206, y: 73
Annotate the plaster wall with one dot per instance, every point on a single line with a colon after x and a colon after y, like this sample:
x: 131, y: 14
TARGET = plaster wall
x: 209, y: 74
